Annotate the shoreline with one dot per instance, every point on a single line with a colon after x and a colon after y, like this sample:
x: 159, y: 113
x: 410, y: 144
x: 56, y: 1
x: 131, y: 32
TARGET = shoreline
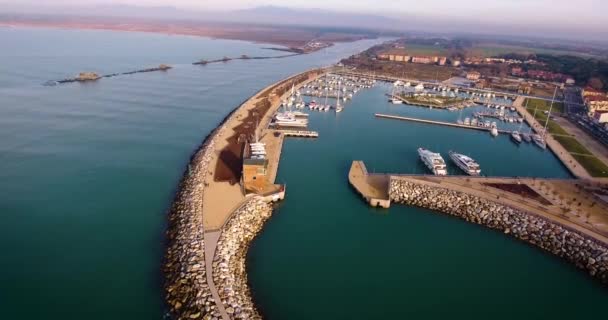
x: 230, y: 32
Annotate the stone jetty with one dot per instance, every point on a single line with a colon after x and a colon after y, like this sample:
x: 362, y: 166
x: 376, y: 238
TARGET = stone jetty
x: 187, y: 292
x: 587, y: 254
x: 229, y: 272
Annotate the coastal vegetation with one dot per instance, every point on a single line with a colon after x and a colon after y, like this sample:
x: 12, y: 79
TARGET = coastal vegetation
x: 543, y: 105
x: 552, y: 126
x: 572, y: 145
x: 593, y: 165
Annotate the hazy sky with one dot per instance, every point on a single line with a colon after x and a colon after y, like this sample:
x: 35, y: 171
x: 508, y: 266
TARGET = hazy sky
x: 581, y: 9
x: 574, y: 16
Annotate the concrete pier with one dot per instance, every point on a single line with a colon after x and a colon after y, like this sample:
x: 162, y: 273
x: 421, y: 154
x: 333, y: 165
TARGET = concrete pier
x: 373, y: 188
x: 441, y: 123
x: 299, y: 133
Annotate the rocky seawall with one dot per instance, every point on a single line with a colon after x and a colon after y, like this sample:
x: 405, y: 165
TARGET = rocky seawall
x: 229, y: 271
x: 585, y: 253
x: 187, y: 292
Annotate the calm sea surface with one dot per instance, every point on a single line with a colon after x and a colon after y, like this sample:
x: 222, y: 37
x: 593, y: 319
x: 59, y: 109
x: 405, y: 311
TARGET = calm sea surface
x: 87, y: 172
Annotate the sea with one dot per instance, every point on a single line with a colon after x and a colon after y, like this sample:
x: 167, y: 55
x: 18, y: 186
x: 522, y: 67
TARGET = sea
x: 88, y: 171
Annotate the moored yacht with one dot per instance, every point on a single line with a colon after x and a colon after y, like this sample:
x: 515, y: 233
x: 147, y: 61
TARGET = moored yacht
x: 539, y: 141
x: 465, y: 163
x: 494, y: 130
x: 516, y: 137
x: 433, y: 161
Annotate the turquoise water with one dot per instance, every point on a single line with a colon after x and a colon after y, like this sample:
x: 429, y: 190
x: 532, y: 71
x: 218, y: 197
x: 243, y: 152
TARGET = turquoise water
x: 326, y: 255
x: 87, y: 172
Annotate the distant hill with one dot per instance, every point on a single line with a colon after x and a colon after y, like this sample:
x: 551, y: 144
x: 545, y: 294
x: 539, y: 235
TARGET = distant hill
x: 269, y: 15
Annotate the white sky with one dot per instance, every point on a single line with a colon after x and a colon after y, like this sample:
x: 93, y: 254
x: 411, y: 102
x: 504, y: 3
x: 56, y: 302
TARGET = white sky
x: 575, y: 15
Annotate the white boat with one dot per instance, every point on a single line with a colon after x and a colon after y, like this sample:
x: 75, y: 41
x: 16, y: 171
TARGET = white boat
x: 526, y: 137
x: 419, y: 87
x: 339, y: 109
x: 539, y: 141
x: 516, y: 137
x: 433, y: 161
x: 467, y: 121
x: 465, y: 163
x: 287, y: 119
x: 300, y: 114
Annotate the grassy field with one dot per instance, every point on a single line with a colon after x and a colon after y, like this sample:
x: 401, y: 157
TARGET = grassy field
x: 572, y: 145
x: 543, y: 105
x: 593, y: 165
x: 553, y: 127
x: 493, y: 49
x: 424, y: 50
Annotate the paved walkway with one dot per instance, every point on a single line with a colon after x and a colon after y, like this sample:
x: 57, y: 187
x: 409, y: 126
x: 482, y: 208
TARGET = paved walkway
x: 211, y: 239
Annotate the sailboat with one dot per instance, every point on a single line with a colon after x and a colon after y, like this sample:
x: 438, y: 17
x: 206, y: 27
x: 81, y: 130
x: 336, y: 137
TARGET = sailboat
x: 338, y: 106
x: 459, y: 121
x: 394, y: 99
x: 525, y: 136
x: 326, y: 106
x: 541, y: 140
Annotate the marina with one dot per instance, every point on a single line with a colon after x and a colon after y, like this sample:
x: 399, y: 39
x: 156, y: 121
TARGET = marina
x: 136, y: 137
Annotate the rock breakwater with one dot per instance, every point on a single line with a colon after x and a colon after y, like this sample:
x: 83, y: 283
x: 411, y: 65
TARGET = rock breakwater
x: 229, y: 272
x: 576, y: 248
x: 187, y: 291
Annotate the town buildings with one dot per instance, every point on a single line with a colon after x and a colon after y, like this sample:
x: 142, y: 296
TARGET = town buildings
x: 401, y: 55
x: 596, y: 102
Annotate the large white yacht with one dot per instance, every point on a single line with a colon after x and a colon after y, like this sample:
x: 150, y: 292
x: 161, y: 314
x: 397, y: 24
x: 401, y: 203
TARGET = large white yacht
x: 466, y: 163
x: 433, y: 161
x: 286, y: 119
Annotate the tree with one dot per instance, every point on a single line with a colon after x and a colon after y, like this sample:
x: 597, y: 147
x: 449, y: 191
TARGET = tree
x: 596, y: 83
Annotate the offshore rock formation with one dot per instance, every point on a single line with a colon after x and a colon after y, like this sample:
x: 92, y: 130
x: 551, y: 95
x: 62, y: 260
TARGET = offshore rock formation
x: 585, y: 253
x: 187, y: 292
x: 229, y: 272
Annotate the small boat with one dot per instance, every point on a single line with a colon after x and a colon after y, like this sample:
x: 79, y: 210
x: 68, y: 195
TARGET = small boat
x: 539, y: 141
x: 494, y: 131
x: 516, y: 137
x: 526, y: 137
x: 467, y: 121
x: 339, y: 109
x: 465, y: 163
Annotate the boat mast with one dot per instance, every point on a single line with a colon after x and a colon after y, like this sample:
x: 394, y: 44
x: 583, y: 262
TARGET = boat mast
x: 338, y: 96
x: 522, y: 123
x: 326, y: 91
x: 549, y: 115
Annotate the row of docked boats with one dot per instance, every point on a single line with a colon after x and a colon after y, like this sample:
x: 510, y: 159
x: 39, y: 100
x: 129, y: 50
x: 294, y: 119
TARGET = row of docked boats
x: 538, y: 139
x: 434, y: 161
x: 337, y: 87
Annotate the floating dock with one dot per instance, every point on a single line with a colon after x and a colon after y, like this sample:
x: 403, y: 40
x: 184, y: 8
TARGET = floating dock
x: 299, y: 133
x: 441, y: 123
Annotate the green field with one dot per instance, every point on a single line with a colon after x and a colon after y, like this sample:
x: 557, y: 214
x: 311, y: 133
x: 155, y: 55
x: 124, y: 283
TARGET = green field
x: 553, y: 127
x: 494, y: 49
x: 593, y: 165
x: 424, y: 50
x: 543, y: 105
x: 572, y: 145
